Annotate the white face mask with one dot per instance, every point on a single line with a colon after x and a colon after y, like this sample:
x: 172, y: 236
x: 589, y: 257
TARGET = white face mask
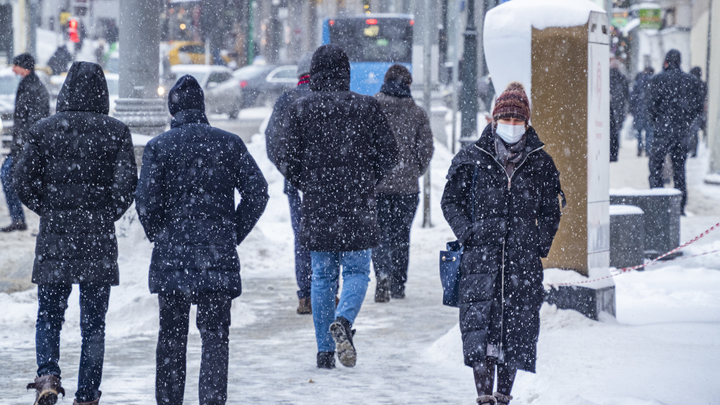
x: 510, y: 133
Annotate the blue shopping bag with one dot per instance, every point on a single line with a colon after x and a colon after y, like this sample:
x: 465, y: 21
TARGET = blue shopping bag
x: 450, y: 273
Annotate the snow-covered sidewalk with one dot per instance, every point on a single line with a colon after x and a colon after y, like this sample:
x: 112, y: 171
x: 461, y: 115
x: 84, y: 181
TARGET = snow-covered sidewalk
x: 662, y: 349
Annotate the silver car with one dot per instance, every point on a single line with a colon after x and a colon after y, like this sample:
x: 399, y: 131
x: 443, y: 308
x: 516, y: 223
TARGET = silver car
x: 222, y: 91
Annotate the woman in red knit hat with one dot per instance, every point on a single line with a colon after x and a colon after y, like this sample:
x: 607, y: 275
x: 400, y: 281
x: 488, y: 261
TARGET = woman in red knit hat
x: 501, y: 201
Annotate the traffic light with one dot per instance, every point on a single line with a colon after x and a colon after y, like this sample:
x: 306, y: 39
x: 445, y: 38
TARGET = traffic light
x: 73, y: 30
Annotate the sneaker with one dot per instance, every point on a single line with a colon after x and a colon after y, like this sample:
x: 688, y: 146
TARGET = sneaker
x: 15, y: 226
x: 342, y: 335
x: 326, y: 360
x: 382, y: 290
x: 47, y: 389
x: 96, y: 401
x: 304, y: 306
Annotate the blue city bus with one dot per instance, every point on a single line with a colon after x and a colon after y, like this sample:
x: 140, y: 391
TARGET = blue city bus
x: 373, y: 42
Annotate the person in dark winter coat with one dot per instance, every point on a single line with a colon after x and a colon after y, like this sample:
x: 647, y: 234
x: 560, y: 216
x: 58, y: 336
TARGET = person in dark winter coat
x: 303, y: 269
x: 699, y: 122
x: 77, y: 172
x: 336, y: 148
x: 186, y: 204
x: 619, y: 92
x: 673, y: 106
x: 397, y: 194
x: 638, y: 109
x: 501, y: 201
x: 32, y: 104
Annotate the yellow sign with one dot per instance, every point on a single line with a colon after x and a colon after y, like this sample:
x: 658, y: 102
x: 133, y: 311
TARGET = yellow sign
x: 64, y: 17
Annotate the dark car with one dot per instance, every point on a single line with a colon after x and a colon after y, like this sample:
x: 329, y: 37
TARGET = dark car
x: 261, y: 85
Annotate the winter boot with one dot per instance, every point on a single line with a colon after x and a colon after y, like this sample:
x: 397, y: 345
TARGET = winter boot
x: 343, y: 335
x: 382, y: 290
x: 502, y: 399
x: 47, y: 389
x: 96, y: 401
x: 304, y: 306
x: 397, y: 292
x: 326, y: 360
x: 15, y: 226
x: 486, y: 400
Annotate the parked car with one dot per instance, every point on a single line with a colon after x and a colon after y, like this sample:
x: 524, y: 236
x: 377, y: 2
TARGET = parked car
x: 262, y: 84
x: 222, y: 93
x: 188, y: 52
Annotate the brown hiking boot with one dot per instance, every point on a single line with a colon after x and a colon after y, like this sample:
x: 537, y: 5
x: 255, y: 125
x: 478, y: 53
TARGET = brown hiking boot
x: 47, y: 389
x: 15, y: 226
x: 304, y: 306
x: 93, y: 402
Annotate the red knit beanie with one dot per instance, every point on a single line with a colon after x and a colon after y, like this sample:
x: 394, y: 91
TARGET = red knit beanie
x: 512, y: 103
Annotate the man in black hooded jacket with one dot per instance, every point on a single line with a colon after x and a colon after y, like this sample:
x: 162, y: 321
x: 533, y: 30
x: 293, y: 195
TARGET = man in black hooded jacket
x: 673, y: 105
x: 336, y: 148
x: 186, y: 204
x: 78, y: 173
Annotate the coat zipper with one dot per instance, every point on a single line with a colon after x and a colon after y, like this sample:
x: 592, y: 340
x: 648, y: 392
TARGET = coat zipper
x: 502, y: 269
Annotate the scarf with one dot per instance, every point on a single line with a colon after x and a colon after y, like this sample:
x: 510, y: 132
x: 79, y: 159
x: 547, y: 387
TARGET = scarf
x: 510, y: 155
x: 396, y: 89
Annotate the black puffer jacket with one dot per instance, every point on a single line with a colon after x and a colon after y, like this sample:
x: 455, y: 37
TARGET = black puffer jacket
x: 77, y: 171
x: 501, y: 273
x: 411, y: 128
x: 32, y: 103
x: 336, y: 149
x: 276, y: 123
x: 186, y: 201
x: 675, y: 100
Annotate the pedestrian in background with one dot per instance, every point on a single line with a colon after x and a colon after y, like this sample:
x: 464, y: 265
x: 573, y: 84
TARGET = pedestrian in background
x: 78, y: 173
x: 336, y: 149
x: 638, y: 109
x: 699, y: 122
x: 675, y: 102
x: 303, y: 269
x: 32, y: 103
x: 619, y: 92
x: 398, y: 193
x: 186, y: 204
x: 509, y: 186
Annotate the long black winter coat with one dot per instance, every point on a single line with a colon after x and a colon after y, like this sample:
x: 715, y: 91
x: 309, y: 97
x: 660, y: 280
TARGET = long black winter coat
x: 675, y: 101
x: 186, y: 203
x: 501, y: 273
x: 32, y: 103
x: 77, y: 171
x: 276, y: 123
x: 336, y: 149
x: 619, y: 94
x: 639, y: 97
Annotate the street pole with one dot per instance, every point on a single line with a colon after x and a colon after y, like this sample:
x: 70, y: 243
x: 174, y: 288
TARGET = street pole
x: 469, y: 102
x: 427, y: 69
x: 454, y: 16
x: 32, y: 9
x: 139, y: 106
x: 443, y: 42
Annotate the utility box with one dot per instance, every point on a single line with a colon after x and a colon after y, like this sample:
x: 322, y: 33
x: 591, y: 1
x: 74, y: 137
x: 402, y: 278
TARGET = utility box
x: 561, y: 54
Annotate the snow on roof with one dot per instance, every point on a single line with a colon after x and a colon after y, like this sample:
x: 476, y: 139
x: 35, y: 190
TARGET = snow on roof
x: 508, y: 34
x: 625, y: 210
x: 630, y: 192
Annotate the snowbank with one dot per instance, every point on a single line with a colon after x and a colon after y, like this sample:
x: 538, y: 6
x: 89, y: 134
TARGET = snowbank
x: 508, y: 34
x: 625, y: 210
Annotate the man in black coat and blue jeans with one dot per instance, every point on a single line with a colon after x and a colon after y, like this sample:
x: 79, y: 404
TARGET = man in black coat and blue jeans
x: 77, y: 172
x: 186, y: 204
x: 336, y: 148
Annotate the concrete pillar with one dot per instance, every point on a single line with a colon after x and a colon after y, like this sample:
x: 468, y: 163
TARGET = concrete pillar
x: 139, y: 106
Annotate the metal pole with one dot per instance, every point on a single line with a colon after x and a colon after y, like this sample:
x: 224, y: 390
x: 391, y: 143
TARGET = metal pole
x: 469, y: 103
x: 427, y: 30
x: 455, y: 16
x: 32, y: 6
x: 139, y: 106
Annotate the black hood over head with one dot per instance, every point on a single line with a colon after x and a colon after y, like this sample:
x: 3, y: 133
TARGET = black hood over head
x: 85, y: 89
x: 673, y: 59
x: 186, y: 94
x: 330, y: 69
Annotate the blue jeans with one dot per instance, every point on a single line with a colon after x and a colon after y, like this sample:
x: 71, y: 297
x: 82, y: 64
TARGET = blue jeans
x: 303, y: 267
x: 52, y: 300
x: 326, y: 270
x: 13, y: 201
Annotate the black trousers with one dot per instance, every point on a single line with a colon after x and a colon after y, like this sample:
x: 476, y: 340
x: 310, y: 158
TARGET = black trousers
x: 391, y: 256
x: 213, y: 321
x: 673, y: 145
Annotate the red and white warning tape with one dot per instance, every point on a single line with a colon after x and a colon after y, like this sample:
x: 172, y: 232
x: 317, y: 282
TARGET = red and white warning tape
x: 654, y: 261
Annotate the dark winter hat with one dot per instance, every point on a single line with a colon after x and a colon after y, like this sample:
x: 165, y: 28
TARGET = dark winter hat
x: 697, y: 72
x: 304, y: 64
x: 512, y: 103
x: 25, y: 61
x: 330, y: 69
x: 186, y: 94
x: 673, y: 59
x: 399, y: 73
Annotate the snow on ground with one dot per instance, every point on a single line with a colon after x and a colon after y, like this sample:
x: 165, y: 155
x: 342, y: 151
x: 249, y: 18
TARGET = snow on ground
x: 661, y: 349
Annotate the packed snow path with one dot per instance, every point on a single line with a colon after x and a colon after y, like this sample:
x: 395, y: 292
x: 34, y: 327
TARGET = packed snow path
x: 661, y: 350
